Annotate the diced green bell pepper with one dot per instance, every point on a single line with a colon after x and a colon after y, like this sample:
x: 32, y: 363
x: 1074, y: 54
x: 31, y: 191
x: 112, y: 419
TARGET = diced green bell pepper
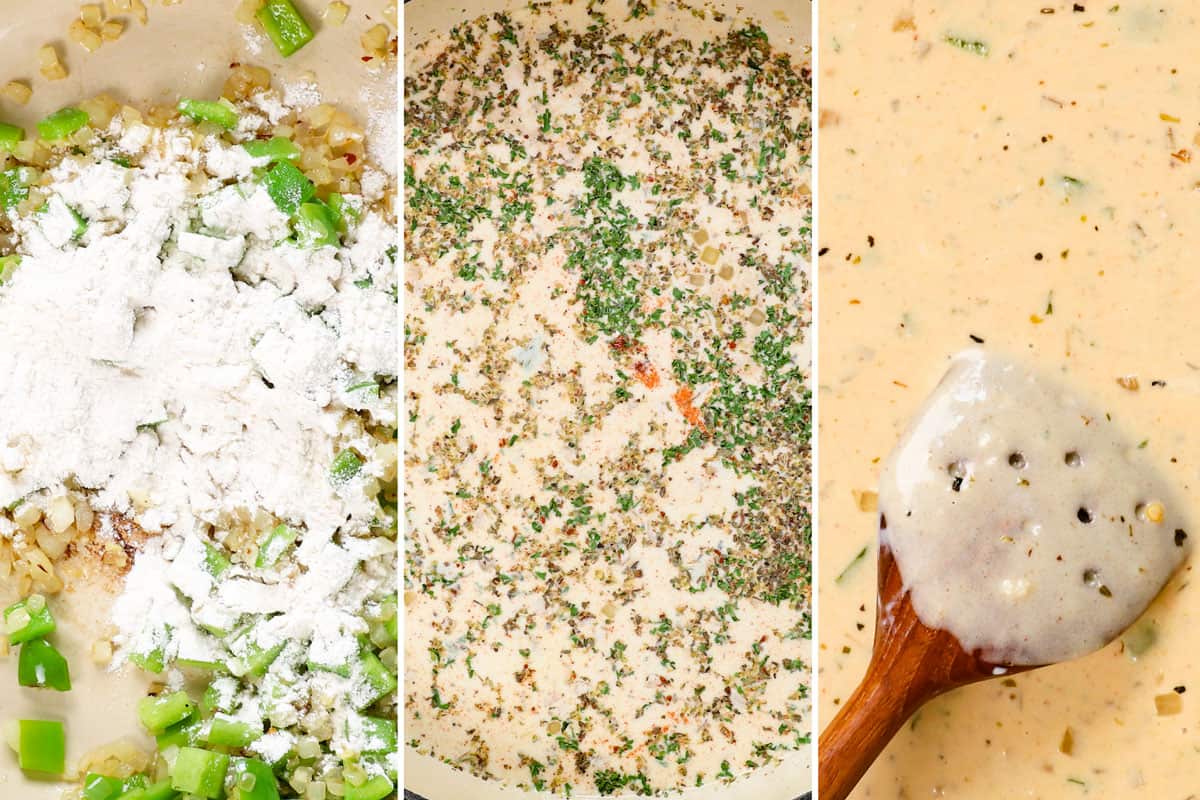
x: 378, y: 764
x: 62, y: 123
x: 134, y: 782
x: 285, y: 26
x: 258, y: 660
x: 344, y: 669
x: 152, y: 661
x: 81, y: 223
x: 7, y: 265
x: 275, y: 545
x: 345, y: 466
x: 200, y: 772
x: 28, y: 619
x: 163, y: 790
x: 315, y: 226
x: 288, y: 186
x: 10, y: 136
x: 14, y: 187
x: 376, y: 734
x: 342, y: 210
x: 376, y: 788
x: 224, y: 732
x: 41, y: 666
x: 391, y: 618
x: 201, y: 665
x: 155, y: 659
x: 212, y: 628
x: 160, y: 713
x: 212, y: 111
x: 215, y: 561
x: 253, y: 780
x: 277, y: 148
x: 211, y: 701
x: 185, y: 733
x: 375, y: 681
x: 100, y: 787
x: 42, y: 746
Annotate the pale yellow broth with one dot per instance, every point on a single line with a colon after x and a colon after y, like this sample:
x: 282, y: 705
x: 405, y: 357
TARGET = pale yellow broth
x: 943, y: 177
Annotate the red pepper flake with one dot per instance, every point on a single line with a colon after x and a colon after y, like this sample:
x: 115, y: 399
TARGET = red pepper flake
x: 646, y: 373
x: 683, y: 399
x: 350, y: 158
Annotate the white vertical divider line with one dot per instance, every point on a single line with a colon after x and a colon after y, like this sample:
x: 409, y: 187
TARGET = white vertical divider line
x: 402, y: 420
x: 814, y: 378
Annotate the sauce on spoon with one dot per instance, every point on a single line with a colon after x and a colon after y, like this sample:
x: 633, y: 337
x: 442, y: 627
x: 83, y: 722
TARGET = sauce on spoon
x: 1022, y: 519
x: 982, y: 570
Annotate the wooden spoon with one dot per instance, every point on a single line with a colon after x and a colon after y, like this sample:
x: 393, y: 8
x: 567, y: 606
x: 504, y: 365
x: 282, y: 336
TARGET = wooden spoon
x: 911, y: 664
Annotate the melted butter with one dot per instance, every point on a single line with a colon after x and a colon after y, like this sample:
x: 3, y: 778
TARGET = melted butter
x: 955, y: 165
x: 1022, y: 520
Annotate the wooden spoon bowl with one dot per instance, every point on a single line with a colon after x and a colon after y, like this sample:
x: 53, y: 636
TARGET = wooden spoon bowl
x: 911, y: 664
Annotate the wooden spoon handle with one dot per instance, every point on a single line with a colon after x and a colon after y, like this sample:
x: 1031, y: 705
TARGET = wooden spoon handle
x: 910, y: 664
x: 857, y: 735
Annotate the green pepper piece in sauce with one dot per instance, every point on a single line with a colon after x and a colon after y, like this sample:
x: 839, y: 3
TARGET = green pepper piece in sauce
x: 10, y: 136
x: 284, y: 26
x: 200, y: 772
x: 41, y: 666
x: 253, y: 780
x: 211, y: 111
x: 62, y: 123
x: 288, y: 186
x: 42, y: 746
x: 28, y: 619
x: 276, y: 148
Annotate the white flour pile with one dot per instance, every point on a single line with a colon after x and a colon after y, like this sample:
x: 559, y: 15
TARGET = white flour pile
x: 143, y: 321
x: 192, y: 369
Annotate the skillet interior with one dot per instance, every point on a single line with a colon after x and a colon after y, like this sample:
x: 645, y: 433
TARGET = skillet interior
x: 185, y: 49
x: 789, y: 25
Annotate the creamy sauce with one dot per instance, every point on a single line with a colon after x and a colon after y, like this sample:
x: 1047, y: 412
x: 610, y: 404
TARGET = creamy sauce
x: 101, y: 707
x: 1022, y: 521
x: 607, y: 463
x: 1041, y: 197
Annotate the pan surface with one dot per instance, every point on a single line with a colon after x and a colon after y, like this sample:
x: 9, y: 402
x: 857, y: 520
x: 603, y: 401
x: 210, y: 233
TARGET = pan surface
x: 788, y: 23
x: 185, y: 50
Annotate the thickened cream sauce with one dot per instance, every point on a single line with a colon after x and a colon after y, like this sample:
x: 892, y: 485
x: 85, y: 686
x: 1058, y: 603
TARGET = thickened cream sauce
x: 1022, y: 520
x: 992, y: 172
x: 607, y: 470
